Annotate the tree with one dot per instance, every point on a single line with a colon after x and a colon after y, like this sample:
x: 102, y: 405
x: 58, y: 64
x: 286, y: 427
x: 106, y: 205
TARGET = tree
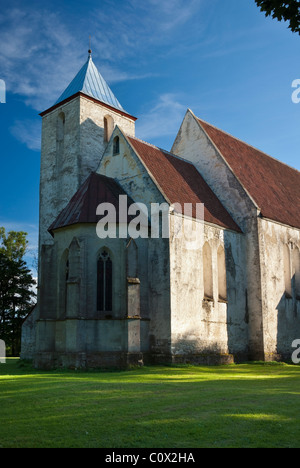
x: 13, y: 244
x: 283, y: 11
x: 16, y: 288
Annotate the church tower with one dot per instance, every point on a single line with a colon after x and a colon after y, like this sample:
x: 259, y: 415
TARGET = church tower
x: 75, y: 133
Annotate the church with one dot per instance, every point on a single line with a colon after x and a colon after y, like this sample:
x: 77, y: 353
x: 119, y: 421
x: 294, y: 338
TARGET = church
x: 134, y: 296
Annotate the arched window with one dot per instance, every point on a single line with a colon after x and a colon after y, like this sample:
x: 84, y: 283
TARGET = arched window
x: 63, y: 287
x: 287, y: 271
x: 296, y: 272
x: 104, y: 282
x: 108, y: 127
x: 60, y: 139
x: 116, y: 146
x: 222, y: 285
x: 207, y: 271
x: 60, y: 130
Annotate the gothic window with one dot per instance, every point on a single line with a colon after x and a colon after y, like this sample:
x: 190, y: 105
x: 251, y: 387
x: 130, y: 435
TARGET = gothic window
x: 60, y: 133
x: 108, y: 127
x: 64, y: 277
x: 222, y: 285
x: 116, y: 146
x: 104, y: 282
x: 287, y: 272
x: 296, y: 272
x: 66, y: 282
x: 207, y: 272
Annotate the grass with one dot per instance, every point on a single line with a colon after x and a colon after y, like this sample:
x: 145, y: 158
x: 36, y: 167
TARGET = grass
x: 248, y: 405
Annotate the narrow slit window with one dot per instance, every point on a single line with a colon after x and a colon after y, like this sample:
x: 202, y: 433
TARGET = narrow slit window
x: 207, y: 272
x: 104, y: 282
x: 116, y: 147
x: 287, y: 272
x: 296, y: 272
x: 222, y: 283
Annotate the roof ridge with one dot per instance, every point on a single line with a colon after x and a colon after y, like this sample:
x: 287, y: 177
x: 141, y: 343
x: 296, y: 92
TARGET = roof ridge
x: 163, y: 150
x: 248, y: 144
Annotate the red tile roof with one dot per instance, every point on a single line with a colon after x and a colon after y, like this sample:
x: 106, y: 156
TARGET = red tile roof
x: 181, y: 183
x: 83, y: 205
x: 274, y: 186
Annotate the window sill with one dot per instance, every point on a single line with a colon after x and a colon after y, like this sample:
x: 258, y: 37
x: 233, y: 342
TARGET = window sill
x: 208, y: 299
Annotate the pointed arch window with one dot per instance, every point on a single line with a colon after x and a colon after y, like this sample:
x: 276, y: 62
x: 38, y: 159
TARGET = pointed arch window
x: 108, y: 127
x: 287, y: 272
x: 207, y: 272
x: 222, y: 283
x: 60, y: 132
x: 104, y: 282
x: 296, y: 272
x: 63, y: 283
x: 116, y: 146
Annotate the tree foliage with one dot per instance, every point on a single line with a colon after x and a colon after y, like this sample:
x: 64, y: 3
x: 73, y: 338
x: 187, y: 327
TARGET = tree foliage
x: 283, y: 11
x: 16, y: 293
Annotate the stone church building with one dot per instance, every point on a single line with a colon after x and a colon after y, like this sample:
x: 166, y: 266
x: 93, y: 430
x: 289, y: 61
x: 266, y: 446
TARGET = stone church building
x: 124, y: 299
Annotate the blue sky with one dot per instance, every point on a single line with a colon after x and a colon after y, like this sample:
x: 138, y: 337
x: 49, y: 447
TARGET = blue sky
x: 223, y: 59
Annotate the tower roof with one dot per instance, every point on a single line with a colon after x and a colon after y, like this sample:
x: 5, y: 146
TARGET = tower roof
x: 89, y: 81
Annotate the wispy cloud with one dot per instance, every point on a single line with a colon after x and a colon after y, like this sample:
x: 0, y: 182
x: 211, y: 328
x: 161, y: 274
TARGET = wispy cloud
x: 163, y: 119
x: 28, y: 132
x: 35, y: 51
x: 41, y: 50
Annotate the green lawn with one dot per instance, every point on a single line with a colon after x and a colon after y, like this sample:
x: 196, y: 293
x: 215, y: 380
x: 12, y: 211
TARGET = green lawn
x: 255, y: 405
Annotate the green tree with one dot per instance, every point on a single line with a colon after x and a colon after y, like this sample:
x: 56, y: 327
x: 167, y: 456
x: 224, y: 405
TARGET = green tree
x: 283, y: 11
x: 16, y: 293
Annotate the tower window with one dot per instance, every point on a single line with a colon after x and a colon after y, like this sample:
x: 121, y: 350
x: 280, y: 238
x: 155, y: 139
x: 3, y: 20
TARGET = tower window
x: 104, y: 282
x: 108, y: 127
x: 116, y: 147
x: 60, y: 127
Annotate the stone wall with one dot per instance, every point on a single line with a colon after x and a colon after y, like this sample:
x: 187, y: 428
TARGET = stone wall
x: 208, y: 329
x: 280, y: 266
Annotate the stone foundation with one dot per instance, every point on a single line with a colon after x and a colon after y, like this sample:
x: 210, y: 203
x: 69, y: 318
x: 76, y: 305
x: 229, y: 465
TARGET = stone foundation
x: 117, y: 360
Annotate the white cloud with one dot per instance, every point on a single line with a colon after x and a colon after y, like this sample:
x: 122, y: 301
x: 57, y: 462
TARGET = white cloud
x: 36, y: 55
x: 163, y: 119
x: 42, y: 50
x: 28, y: 132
